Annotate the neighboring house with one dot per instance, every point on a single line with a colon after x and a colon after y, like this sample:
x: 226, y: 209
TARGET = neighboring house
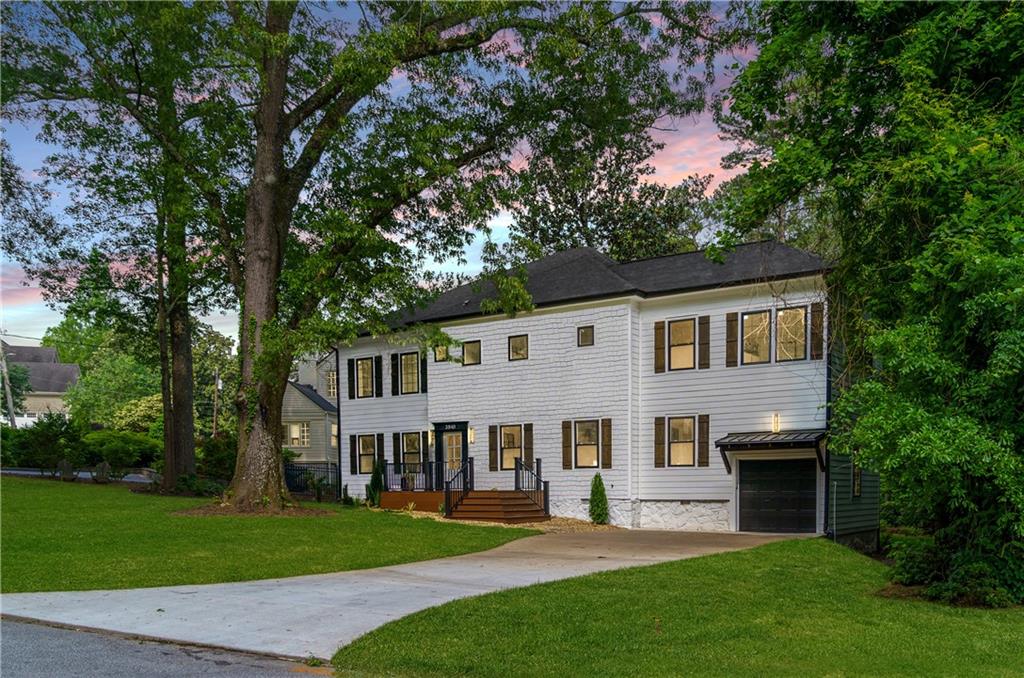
x: 48, y: 377
x: 698, y: 390
x: 309, y: 415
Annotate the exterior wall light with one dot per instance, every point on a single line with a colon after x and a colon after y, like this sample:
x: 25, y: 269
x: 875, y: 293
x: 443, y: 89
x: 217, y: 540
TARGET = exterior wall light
x: 472, y: 435
x: 775, y: 422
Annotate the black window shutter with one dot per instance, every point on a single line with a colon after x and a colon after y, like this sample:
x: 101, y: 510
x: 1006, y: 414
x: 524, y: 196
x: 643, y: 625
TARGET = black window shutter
x: 492, y: 447
x: 731, y: 338
x: 424, y: 446
x: 567, y: 444
x: 353, y: 460
x: 817, y: 331
x: 394, y: 374
x: 396, y: 444
x: 703, y: 422
x: 659, y: 442
x: 380, y: 447
x: 378, y: 376
x: 351, y: 378
x: 704, y: 342
x: 528, y: 445
x: 606, y: 443
x: 423, y: 373
x: 659, y: 346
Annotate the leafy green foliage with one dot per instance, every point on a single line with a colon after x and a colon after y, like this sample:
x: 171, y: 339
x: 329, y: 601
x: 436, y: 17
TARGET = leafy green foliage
x: 376, y: 485
x: 52, y: 438
x: 899, y: 126
x: 122, y: 449
x: 112, y: 380
x: 142, y: 415
x: 216, y: 456
x: 18, y: 379
x: 598, y: 506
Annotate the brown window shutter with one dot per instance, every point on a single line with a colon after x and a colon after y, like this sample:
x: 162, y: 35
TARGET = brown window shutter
x: 659, y: 346
x: 396, y: 447
x: 378, y: 376
x: 567, y: 444
x: 606, y: 443
x: 352, y: 459
x: 351, y: 378
x: 703, y: 422
x: 817, y: 330
x: 659, y: 442
x: 425, y: 446
x: 528, y: 444
x: 380, y: 447
x: 704, y: 342
x: 423, y: 373
x: 731, y: 338
x: 394, y: 374
x: 492, y: 447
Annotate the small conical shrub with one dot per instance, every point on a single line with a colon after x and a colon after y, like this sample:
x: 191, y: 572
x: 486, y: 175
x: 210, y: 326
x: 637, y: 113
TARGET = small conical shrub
x: 376, y: 486
x: 598, y: 501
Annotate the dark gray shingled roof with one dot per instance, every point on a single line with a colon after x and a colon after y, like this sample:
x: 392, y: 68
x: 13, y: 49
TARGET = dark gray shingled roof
x: 584, y: 273
x: 317, y: 399
x: 30, y: 354
x: 50, y: 377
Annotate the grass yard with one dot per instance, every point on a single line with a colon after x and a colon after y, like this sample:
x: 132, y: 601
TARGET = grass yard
x: 78, y: 536
x: 794, y: 608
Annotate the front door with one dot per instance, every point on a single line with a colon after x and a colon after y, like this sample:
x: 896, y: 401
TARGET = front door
x: 453, y: 450
x: 450, y: 451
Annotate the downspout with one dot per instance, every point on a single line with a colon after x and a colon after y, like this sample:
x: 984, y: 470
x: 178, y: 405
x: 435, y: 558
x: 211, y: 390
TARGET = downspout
x: 829, y: 531
x: 337, y: 405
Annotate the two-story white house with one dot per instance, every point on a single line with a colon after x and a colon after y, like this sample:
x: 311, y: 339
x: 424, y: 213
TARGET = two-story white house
x: 696, y: 389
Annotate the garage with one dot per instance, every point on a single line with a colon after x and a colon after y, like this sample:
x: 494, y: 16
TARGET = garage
x: 778, y: 495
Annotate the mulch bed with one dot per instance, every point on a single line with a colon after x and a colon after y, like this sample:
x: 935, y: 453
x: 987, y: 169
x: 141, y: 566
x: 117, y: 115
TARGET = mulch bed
x: 223, y: 510
x: 554, y: 525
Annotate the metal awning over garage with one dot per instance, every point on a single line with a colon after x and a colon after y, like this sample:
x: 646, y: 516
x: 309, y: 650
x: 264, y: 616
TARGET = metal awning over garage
x: 766, y: 440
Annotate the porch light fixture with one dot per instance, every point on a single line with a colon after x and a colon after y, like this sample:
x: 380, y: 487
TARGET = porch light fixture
x: 775, y: 422
x: 472, y: 435
x: 430, y: 437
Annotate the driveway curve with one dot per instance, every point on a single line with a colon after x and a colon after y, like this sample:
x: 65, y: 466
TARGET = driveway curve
x: 317, y: 614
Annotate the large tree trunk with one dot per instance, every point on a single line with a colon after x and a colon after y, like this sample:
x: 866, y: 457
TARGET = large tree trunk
x: 259, y: 470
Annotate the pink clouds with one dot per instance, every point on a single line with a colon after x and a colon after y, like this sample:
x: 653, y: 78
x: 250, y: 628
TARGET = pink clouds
x: 693, y: 147
x: 16, y: 289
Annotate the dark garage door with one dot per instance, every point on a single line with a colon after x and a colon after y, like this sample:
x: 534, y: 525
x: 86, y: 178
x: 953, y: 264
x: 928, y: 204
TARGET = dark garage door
x: 778, y: 495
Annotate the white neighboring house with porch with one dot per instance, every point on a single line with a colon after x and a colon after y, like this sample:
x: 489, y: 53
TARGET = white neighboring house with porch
x: 49, y: 379
x: 696, y: 389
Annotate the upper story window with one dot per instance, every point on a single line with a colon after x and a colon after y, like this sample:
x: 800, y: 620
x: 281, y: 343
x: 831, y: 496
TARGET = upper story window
x: 367, y: 452
x: 585, y: 335
x: 756, y: 337
x: 332, y: 383
x: 409, y: 373
x: 511, y: 446
x: 791, y: 334
x: 440, y: 354
x: 519, y: 347
x: 364, y: 378
x: 471, y: 353
x: 586, y: 444
x: 681, y: 343
x: 680, y: 441
x: 298, y: 434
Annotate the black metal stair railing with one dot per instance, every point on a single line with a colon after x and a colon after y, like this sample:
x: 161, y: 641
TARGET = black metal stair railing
x: 458, y: 483
x: 530, y: 482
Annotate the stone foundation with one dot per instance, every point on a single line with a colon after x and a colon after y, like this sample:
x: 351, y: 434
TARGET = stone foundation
x: 695, y: 516
x: 620, y: 511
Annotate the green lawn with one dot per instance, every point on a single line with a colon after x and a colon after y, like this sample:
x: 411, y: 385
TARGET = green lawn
x: 794, y: 608
x: 77, y: 536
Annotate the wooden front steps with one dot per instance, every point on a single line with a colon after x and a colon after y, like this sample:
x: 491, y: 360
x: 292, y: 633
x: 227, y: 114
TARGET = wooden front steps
x: 499, y: 506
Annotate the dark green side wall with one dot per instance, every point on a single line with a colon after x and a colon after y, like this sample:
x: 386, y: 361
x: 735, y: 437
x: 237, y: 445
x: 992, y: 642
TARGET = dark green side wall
x: 852, y: 520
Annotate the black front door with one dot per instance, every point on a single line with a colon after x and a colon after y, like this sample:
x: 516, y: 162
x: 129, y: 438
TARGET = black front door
x: 778, y: 495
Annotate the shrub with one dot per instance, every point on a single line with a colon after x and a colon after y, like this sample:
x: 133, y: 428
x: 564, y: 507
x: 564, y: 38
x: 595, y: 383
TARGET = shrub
x: 972, y: 583
x: 200, y: 487
x: 376, y: 486
x: 121, y: 449
x: 12, y: 446
x: 51, y: 439
x: 216, y: 457
x: 346, y: 499
x: 916, y: 560
x: 598, y: 501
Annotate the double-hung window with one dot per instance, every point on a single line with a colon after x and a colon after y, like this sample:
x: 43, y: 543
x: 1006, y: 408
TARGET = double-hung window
x: 756, y: 337
x: 586, y: 444
x: 332, y: 383
x: 680, y: 441
x: 682, y: 336
x: 367, y: 445
x: 364, y: 378
x: 298, y: 434
x: 791, y: 334
x: 409, y: 373
x: 511, y: 446
x: 411, y: 451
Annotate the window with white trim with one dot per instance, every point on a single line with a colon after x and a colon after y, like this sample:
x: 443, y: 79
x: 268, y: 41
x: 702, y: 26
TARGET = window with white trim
x: 364, y: 378
x: 586, y: 443
x: 409, y: 373
x: 756, y: 337
x: 682, y: 344
x: 367, y: 445
x: 332, y: 383
x: 511, y: 437
x: 298, y: 434
x: 681, y: 441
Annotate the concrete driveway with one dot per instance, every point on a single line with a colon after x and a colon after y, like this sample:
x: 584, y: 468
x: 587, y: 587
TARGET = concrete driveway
x: 317, y: 614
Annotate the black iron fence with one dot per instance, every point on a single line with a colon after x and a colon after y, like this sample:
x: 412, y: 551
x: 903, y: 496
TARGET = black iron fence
x: 317, y: 479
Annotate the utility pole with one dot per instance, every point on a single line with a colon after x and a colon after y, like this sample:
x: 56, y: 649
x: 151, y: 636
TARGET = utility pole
x: 7, y: 388
x: 216, y: 392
